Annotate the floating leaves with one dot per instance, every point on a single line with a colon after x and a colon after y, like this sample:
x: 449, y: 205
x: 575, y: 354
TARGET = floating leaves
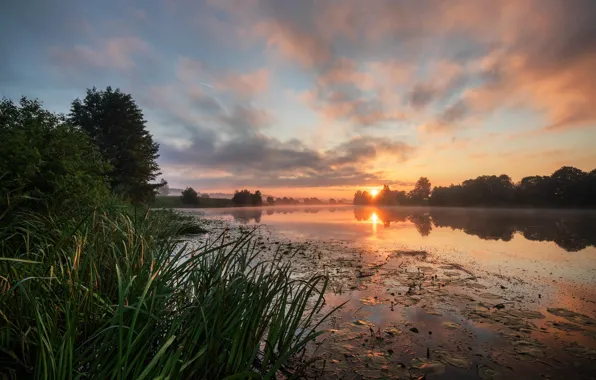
x: 450, y: 325
x: 487, y: 373
x: 428, y: 366
x: 528, y: 350
x: 452, y: 359
x: 572, y: 316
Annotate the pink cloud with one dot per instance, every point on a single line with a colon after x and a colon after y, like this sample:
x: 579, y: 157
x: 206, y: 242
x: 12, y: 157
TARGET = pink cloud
x: 114, y: 53
x: 248, y: 84
x: 293, y: 43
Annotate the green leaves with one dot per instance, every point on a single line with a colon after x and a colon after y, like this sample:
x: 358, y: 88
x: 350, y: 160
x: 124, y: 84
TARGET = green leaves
x: 46, y: 164
x: 115, y: 124
x: 118, y: 295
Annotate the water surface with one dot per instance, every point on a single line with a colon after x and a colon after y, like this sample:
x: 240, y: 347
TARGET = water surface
x: 486, y: 289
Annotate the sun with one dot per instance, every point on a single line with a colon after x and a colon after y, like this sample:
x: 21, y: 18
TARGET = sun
x: 374, y: 192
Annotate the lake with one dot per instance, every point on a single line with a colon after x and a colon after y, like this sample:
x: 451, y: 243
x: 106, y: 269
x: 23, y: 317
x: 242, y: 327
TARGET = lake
x: 442, y: 292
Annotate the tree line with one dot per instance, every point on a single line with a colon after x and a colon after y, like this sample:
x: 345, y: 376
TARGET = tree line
x: 55, y: 162
x: 567, y: 187
x: 387, y: 197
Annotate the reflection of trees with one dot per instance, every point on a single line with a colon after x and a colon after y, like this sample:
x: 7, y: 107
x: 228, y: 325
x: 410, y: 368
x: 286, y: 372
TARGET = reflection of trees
x: 246, y: 215
x: 572, y: 231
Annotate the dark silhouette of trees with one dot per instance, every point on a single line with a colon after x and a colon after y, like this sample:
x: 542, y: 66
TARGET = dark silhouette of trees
x: 190, y: 197
x: 313, y: 201
x: 270, y: 201
x: 567, y: 187
x: 332, y: 201
x: 164, y: 188
x: 46, y: 164
x: 116, y: 125
x: 246, y: 198
x: 421, y: 192
x: 362, y: 198
x: 286, y: 201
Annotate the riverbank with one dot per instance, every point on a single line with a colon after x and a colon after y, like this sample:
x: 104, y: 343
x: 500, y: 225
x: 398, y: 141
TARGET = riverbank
x: 124, y: 293
x: 413, y: 310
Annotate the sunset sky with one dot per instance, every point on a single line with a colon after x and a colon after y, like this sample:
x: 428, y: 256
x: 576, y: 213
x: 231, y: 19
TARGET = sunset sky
x: 321, y: 97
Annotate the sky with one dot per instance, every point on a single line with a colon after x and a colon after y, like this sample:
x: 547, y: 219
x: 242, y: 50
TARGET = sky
x: 319, y: 98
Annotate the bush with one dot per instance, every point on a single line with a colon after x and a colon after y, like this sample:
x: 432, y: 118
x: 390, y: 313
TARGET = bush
x: 45, y: 163
x: 190, y: 197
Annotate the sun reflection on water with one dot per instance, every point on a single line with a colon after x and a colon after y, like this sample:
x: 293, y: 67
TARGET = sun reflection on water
x: 374, y: 218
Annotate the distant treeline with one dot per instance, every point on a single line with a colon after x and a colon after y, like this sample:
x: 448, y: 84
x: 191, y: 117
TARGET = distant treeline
x: 567, y: 187
x: 191, y: 198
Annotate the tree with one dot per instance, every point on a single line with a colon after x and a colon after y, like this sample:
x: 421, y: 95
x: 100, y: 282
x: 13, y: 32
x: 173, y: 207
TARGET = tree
x: 256, y: 198
x: 45, y: 163
x: 421, y: 191
x: 246, y: 198
x: 116, y: 125
x: 164, y: 188
x: 190, y: 197
x: 205, y: 196
x: 332, y: 201
x: 270, y: 201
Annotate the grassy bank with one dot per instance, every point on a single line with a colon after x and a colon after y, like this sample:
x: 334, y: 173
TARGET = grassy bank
x: 162, y: 201
x: 122, y: 295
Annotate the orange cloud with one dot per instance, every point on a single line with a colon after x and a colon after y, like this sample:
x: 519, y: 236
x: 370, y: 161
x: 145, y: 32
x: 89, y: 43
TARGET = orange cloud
x: 246, y: 85
x: 293, y: 44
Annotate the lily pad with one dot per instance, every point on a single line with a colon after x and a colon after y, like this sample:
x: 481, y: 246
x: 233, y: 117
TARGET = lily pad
x: 572, y: 316
x: 453, y: 359
x: 450, y: 325
x: 392, y: 331
x: 362, y: 322
x: 581, y: 351
x: 529, y: 349
x: 487, y: 373
x: 428, y: 366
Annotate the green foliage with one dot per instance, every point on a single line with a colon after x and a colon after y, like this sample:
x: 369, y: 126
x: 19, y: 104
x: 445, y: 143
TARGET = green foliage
x: 566, y: 187
x: 190, y: 197
x: 115, y: 295
x: 45, y: 163
x: 421, y: 191
x: 246, y: 198
x: 116, y: 125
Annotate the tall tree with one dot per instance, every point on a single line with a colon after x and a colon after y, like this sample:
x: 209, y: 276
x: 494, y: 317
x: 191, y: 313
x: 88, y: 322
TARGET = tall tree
x: 116, y: 125
x: 421, y: 191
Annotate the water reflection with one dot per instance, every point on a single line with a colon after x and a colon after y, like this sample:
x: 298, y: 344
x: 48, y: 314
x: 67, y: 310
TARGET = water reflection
x: 570, y: 230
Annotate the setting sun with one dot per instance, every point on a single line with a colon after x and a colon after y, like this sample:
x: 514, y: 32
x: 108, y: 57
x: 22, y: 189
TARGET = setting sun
x: 374, y: 192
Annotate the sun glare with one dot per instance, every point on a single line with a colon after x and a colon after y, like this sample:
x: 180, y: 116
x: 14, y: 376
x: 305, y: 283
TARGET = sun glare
x: 374, y: 192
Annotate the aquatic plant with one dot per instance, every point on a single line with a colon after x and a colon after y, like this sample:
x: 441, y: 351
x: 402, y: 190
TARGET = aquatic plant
x: 121, y: 296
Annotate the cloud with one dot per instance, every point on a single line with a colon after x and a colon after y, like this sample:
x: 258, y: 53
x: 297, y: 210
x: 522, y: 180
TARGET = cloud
x: 113, y: 53
x: 542, y: 54
x: 246, y: 85
x: 236, y: 145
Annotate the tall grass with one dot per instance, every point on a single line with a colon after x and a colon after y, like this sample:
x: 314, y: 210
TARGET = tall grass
x: 122, y: 296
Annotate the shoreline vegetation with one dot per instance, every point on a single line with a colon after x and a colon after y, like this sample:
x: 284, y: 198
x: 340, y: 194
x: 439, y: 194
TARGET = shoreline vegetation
x: 567, y: 187
x: 96, y: 284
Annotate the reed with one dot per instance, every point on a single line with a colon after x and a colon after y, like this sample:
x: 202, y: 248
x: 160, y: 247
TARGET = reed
x: 122, y: 295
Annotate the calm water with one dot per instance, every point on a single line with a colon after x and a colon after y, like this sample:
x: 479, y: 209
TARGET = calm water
x: 554, y: 249
x: 526, y: 260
